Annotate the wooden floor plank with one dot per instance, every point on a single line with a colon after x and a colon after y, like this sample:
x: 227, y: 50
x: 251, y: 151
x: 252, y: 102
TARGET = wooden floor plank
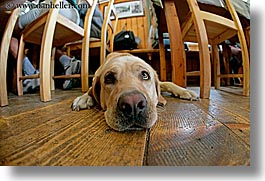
x: 231, y: 110
x: 187, y: 135
x: 27, y: 102
x: 238, y: 104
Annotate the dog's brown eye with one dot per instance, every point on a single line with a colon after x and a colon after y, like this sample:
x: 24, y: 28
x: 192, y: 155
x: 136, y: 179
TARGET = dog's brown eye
x: 109, y: 78
x: 145, y: 75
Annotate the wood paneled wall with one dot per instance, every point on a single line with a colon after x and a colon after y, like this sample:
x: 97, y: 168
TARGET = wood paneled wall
x: 138, y: 24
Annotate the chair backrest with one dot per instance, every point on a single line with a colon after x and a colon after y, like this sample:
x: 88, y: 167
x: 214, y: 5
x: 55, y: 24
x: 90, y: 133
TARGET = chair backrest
x: 4, y: 47
x: 87, y: 23
x: 108, y: 30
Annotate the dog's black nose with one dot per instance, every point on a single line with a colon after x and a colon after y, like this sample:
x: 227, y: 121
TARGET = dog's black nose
x: 132, y: 103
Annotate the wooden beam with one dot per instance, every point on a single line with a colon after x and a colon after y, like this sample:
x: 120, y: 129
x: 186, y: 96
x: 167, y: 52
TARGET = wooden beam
x: 138, y: 51
x: 34, y: 76
x: 230, y: 76
x: 193, y: 73
x: 186, y: 26
x: 66, y: 76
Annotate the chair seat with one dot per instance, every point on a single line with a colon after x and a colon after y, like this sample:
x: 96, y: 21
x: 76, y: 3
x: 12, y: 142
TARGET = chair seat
x: 64, y: 28
x: 216, y: 32
x: 77, y: 45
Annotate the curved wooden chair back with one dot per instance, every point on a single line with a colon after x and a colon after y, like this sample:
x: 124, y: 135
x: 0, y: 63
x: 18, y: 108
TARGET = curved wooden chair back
x: 4, y: 55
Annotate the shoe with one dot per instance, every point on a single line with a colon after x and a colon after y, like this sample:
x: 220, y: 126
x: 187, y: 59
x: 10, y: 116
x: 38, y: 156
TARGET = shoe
x: 27, y: 86
x: 67, y: 84
x: 36, y: 84
x: 73, y: 68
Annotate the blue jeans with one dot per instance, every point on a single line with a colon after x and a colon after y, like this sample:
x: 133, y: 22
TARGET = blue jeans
x: 27, y: 18
x: 28, y: 69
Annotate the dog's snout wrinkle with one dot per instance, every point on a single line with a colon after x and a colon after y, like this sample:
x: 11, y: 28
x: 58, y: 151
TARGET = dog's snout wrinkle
x: 132, y: 103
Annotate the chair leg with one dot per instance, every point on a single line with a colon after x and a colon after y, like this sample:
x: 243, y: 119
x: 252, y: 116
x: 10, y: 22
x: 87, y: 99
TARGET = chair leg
x: 216, y: 71
x: 244, y: 48
x: 176, y: 44
x: 205, y: 64
x: 19, y: 65
x: 4, y: 55
x: 45, y: 56
x: 52, y: 68
x: 205, y: 71
x: 245, y: 62
x: 85, y: 65
x: 163, y: 68
x: 45, y: 82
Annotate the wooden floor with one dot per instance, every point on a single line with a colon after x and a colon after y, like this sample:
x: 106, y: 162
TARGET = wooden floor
x: 213, y: 131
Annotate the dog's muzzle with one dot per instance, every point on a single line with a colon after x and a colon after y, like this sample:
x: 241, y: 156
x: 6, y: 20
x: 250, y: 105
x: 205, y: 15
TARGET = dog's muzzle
x: 132, y: 109
x: 132, y: 104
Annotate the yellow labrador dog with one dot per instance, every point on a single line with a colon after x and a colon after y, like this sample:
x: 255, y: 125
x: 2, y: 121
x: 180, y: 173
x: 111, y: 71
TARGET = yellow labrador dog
x: 128, y: 90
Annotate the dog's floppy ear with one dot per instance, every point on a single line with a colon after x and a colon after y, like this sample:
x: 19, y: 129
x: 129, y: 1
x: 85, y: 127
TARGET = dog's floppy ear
x: 96, y: 89
x: 161, y: 100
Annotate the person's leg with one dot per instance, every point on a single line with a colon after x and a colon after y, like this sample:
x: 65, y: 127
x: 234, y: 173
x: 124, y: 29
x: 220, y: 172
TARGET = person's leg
x: 13, y: 48
x: 28, y: 68
x: 63, y: 59
x: 70, y: 13
x: 70, y: 65
x: 27, y: 18
x: 30, y: 16
x: 29, y: 85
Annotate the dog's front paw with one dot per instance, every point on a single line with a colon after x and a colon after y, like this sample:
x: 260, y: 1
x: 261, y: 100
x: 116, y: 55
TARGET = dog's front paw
x: 82, y: 102
x: 189, y: 95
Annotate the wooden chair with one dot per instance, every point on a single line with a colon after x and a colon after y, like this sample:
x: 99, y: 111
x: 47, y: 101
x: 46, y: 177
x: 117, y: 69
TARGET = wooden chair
x: 49, y: 30
x: 208, y: 28
x: 105, y: 43
x: 4, y: 55
x: 83, y: 45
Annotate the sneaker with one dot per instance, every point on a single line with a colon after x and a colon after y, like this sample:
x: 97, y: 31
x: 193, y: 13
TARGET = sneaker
x: 73, y: 68
x: 27, y: 86
x: 67, y: 84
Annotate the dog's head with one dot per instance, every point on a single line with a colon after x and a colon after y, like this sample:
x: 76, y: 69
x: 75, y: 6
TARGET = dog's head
x: 128, y: 90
